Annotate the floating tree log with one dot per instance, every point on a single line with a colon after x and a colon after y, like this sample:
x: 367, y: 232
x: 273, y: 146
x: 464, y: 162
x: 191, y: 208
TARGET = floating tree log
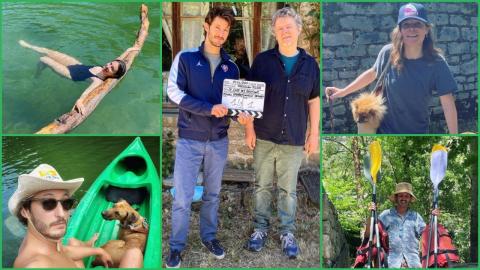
x: 92, y: 96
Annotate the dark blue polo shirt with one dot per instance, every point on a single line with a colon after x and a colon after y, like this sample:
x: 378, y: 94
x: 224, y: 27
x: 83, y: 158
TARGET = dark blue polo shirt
x: 408, y: 93
x: 285, y: 112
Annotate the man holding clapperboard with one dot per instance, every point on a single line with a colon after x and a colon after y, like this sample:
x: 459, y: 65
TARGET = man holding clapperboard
x: 292, y: 87
x: 281, y: 92
x: 195, y: 84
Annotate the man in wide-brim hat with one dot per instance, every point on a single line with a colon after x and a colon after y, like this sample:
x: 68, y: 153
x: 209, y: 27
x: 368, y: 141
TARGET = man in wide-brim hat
x: 404, y: 227
x: 42, y: 202
x: 402, y: 188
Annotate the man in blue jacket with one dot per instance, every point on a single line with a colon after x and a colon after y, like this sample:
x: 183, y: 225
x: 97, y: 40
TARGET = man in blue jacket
x: 195, y: 84
x: 280, y: 139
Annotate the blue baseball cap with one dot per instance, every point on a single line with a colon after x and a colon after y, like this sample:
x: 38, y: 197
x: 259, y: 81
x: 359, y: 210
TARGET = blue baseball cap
x: 412, y: 11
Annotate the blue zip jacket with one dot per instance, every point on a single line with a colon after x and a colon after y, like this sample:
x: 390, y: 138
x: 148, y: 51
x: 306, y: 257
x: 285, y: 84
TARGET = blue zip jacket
x: 192, y: 88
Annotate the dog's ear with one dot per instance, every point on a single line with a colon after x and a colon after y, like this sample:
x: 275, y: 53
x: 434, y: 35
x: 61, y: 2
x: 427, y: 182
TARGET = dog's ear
x: 354, y: 107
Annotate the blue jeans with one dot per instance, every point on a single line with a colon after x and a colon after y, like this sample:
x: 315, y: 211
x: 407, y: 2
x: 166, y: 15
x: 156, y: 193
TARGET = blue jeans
x: 189, y: 157
x: 285, y: 160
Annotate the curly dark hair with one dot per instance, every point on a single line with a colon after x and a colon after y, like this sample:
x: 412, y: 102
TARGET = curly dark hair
x: 122, y: 68
x: 25, y: 204
x: 222, y: 12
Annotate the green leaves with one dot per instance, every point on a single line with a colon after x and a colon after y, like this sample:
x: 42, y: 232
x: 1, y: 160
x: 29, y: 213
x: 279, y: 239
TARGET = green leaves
x: 404, y: 159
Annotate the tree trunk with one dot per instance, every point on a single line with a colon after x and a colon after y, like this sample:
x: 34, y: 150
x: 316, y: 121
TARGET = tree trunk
x: 92, y: 96
x: 474, y: 211
x: 357, y: 167
x: 309, y: 37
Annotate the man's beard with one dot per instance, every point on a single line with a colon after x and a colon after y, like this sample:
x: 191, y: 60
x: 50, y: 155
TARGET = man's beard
x: 403, y: 203
x: 42, y: 228
x: 215, y: 42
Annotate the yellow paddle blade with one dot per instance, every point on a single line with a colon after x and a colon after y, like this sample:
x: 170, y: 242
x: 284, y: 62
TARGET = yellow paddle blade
x: 376, y: 159
x: 437, y: 147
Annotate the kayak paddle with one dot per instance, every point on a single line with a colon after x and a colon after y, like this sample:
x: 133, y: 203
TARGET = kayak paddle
x: 438, y: 168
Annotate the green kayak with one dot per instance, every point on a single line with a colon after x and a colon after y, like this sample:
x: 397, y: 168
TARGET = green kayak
x: 133, y: 177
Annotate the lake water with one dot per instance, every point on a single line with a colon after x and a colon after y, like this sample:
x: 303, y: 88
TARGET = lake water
x: 93, y: 33
x: 72, y: 157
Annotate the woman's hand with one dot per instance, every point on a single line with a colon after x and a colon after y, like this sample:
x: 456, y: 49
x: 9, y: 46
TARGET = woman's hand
x: 333, y: 92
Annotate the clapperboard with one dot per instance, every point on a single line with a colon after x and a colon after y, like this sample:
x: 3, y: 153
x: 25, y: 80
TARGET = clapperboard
x: 243, y: 96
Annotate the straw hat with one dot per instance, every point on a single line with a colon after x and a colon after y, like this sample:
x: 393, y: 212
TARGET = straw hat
x: 43, y: 177
x: 401, y: 188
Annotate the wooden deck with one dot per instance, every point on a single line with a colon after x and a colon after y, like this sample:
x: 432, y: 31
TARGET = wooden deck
x: 229, y: 175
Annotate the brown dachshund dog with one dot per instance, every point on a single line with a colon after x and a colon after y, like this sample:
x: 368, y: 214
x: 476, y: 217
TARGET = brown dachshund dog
x: 133, y: 231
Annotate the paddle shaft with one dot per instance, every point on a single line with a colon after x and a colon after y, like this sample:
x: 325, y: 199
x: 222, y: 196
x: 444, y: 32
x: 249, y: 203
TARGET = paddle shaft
x: 435, y: 205
x: 434, y: 228
x: 429, y: 240
x: 370, y: 238
x: 377, y: 233
x: 374, y: 232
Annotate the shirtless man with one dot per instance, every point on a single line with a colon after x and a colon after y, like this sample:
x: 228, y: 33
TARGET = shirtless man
x: 42, y: 202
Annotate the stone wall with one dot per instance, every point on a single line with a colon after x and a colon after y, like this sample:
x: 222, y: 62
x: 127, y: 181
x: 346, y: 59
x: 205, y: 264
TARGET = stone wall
x: 335, y: 247
x: 354, y: 33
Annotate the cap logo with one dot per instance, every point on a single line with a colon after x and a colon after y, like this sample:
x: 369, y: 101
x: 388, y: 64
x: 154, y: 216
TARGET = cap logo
x: 224, y: 68
x: 410, y: 10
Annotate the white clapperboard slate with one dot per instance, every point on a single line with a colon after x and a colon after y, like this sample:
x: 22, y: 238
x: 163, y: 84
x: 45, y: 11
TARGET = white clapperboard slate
x: 243, y: 96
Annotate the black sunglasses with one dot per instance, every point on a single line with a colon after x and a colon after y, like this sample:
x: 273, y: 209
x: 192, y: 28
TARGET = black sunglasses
x: 50, y: 204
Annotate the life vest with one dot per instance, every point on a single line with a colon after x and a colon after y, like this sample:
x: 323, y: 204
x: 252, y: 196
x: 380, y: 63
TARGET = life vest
x: 446, y: 253
x: 362, y: 251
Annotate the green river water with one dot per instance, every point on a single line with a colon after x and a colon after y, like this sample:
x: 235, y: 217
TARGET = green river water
x: 72, y: 157
x: 93, y: 33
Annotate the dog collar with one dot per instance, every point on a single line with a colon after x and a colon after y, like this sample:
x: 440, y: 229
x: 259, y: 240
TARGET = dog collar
x: 142, y: 229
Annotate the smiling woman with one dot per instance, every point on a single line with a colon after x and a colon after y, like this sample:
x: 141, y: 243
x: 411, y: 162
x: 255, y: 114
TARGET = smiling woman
x: 410, y: 67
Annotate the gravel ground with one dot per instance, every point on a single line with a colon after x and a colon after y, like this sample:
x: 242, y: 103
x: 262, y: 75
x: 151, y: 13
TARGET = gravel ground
x: 235, y: 226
